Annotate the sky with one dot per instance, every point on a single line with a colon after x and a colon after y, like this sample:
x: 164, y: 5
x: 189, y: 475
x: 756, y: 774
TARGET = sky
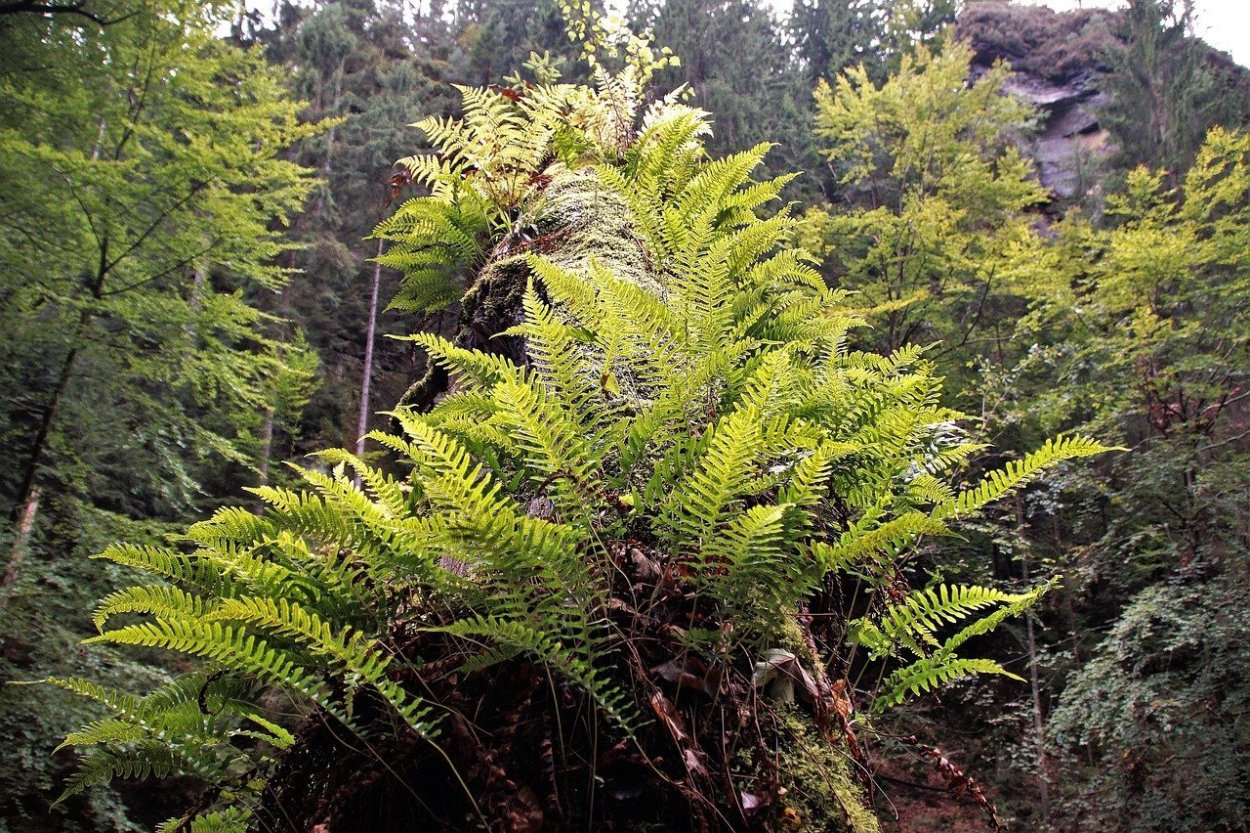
x: 1225, y: 24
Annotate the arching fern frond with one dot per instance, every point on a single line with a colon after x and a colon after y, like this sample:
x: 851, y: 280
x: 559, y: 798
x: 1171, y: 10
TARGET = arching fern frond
x: 1018, y: 472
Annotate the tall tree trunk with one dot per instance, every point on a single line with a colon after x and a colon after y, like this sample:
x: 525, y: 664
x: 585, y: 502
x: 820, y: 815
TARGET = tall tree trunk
x: 366, y: 375
x: 1039, y: 725
x: 26, y: 507
x: 25, y: 527
x: 267, y: 425
x: 266, y: 448
x: 1039, y: 720
x: 40, y: 442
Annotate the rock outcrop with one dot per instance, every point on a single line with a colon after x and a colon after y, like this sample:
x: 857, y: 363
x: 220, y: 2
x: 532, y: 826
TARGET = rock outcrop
x: 1061, y: 63
x: 1059, y: 66
x: 1069, y: 137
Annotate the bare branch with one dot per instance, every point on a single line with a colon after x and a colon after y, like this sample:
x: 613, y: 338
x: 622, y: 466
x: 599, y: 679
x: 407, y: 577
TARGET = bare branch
x: 78, y: 9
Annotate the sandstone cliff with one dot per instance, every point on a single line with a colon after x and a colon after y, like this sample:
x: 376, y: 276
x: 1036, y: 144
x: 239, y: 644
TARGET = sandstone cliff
x: 1061, y: 65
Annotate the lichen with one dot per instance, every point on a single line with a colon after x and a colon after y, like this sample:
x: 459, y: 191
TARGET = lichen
x: 595, y: 223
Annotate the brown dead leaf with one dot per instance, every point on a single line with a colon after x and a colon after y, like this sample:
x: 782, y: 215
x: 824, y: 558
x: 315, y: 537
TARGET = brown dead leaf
x: 667, y: 712
x: 693, y: 674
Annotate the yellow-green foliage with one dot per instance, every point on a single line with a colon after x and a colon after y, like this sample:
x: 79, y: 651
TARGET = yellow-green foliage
x: 937, y: 192
x: 1164, y: 288
x: 911, y: 626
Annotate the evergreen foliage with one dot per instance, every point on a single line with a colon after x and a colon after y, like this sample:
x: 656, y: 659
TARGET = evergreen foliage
x: 737, y: 63
x: 1167, y: 89
x: 833, y: 35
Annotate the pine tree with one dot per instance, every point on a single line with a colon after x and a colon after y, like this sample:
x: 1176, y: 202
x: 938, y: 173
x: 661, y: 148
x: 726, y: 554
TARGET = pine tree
x: 1167, y: 89
x: 831, y: 36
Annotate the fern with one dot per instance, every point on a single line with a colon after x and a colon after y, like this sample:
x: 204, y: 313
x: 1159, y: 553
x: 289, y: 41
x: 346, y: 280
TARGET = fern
x: 930, y: 673
x: 1016, y: 473
x: 166, y: 732
x: 231, y: 820
x: 914, y: 623
x: 700, y: 408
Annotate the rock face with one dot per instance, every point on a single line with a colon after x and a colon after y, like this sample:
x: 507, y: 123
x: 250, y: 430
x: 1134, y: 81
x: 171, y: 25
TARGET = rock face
x: 1058, y: 64
x: 1070, y: 139
x: 1061, y: 65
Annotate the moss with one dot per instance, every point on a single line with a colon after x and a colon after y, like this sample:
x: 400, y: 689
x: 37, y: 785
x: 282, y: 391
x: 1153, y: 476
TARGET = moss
x: 793, y: 638
x: 593, y: 222
x: 822, y: 793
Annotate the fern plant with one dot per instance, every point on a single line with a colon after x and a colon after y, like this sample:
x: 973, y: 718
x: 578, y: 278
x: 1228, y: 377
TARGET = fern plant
x: 685, y: 457
x: 910, y: 627
x: 489, y: 174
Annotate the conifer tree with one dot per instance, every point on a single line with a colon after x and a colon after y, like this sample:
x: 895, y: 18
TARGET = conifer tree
x: 737, y: 63
x: 833, y: 35
x: 1167, y: 89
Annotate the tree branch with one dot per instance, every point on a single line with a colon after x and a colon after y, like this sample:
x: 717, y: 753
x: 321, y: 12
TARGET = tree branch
x: 74, y: 9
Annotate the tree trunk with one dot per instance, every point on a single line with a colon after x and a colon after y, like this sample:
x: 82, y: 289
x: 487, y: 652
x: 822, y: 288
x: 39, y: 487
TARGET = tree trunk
x: 40, y: 442
x: 366, y: 375
x: 1039, y: 725
x: 1039, y: 721
x: 266, y: 449
x: 267, y: 425
x: 21, y: 542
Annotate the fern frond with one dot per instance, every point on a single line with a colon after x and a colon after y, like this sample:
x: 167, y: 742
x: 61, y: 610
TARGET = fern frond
x: 548, y: 649
x: 146, y: 758
x: 708, y: 498
x: 109, y: 730
x: 471, y: 367
x: 347, y: 648
x: 230, y: 646
x: 925, y: 610
x: 191, y: 571
x: 156, y: 599
x: 229, y: 820
x: 929, y: 674
x: 869, y: 543
x: 1016, y: 473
